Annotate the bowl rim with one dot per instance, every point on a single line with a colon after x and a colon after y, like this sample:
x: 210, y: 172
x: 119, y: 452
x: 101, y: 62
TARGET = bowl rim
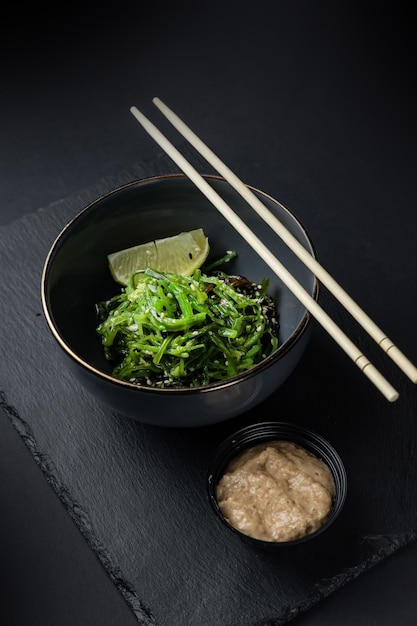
x: 282, y: 350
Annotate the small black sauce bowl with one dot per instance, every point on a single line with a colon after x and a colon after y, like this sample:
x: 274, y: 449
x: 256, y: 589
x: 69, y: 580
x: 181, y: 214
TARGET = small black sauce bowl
x: 269, y: 431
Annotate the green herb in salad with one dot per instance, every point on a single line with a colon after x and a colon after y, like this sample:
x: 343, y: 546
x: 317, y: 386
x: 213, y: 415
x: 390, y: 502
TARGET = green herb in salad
x: 167, y: 330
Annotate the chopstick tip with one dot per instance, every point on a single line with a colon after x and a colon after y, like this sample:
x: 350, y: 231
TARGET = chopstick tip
x: 158, y: 102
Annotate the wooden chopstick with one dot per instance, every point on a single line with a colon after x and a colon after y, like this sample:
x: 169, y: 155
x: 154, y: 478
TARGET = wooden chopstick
x: 325, y: 278
x: 297, y: 289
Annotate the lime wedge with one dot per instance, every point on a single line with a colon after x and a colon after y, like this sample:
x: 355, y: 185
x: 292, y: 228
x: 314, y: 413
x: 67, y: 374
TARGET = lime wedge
x: 179, y: 254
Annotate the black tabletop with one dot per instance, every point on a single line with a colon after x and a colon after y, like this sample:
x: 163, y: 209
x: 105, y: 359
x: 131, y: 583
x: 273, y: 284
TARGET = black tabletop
x: 315, y: 103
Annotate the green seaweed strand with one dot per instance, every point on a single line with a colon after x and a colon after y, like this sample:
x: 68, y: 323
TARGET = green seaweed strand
x: 168, y: 330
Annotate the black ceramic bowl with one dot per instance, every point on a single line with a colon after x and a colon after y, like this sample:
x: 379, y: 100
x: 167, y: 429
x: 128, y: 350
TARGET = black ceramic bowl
x: 76, y: 276
x: 273, y: 431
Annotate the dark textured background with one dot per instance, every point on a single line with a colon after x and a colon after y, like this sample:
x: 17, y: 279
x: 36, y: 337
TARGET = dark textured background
x: 314, y: 105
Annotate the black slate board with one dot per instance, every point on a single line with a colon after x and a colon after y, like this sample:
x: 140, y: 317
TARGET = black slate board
x: 138, y: 493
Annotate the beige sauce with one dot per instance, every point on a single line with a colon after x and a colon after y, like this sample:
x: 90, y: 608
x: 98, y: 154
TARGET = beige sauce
x: 276, y: 491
